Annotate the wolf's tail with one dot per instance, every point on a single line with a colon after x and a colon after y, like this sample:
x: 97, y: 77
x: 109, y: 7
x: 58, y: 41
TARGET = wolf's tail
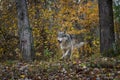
x: 80, y: 44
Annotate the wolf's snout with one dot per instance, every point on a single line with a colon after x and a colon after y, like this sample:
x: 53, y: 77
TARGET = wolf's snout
x: 59, y: 41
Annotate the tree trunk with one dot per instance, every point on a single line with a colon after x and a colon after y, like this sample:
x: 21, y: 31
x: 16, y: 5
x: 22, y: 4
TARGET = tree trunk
x: 25, y: 31
x: 107, y: 38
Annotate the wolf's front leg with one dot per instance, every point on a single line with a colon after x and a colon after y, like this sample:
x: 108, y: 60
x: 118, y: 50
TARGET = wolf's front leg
x: 67, y: 54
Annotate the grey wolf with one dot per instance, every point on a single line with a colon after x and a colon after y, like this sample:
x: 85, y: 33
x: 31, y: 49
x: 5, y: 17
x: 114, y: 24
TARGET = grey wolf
x: 68, y: 42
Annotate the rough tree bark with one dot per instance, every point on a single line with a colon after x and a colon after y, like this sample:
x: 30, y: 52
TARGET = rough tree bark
x: 25, y: 31
x: 107, y: 38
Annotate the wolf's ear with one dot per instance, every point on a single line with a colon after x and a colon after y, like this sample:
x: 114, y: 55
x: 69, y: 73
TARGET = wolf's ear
x: 65, y: 30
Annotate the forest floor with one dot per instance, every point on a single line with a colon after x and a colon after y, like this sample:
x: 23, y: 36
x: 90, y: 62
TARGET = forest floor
x: 99, y: 69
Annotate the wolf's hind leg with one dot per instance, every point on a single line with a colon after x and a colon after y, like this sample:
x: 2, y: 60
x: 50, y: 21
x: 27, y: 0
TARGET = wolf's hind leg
x: 70, y: 54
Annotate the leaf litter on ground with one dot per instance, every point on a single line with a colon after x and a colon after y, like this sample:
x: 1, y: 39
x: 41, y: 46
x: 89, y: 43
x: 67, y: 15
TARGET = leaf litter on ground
x: 61, y: 70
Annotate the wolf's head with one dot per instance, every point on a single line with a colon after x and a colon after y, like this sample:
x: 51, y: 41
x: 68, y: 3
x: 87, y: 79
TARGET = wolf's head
x: 62, y: 37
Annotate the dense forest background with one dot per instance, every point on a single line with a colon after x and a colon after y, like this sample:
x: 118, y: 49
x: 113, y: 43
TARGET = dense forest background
x: 45, y: 18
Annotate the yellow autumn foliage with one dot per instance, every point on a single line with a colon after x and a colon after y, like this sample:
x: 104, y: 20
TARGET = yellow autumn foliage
x: 46, y: 19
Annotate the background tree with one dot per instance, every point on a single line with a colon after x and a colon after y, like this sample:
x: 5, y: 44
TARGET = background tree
x: 107, y: 38
x: 25, y: 31
x: 116, y: 8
